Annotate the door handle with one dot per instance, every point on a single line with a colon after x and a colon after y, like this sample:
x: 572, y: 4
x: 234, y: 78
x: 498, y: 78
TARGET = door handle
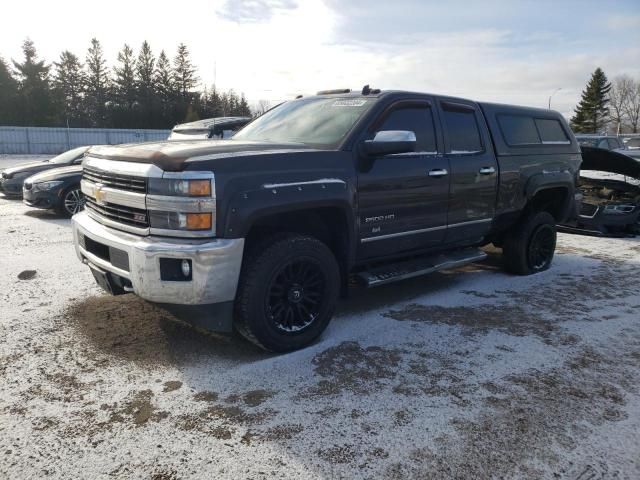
x: 438, y: 172
x: 487, y: 170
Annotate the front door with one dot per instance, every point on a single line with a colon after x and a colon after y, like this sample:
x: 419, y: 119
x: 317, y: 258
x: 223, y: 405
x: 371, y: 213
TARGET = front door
x: 403, y: 198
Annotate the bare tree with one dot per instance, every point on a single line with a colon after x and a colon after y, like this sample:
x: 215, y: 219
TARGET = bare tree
x: 622, y: 86
x: 632, y: 106
x: 261, y: 107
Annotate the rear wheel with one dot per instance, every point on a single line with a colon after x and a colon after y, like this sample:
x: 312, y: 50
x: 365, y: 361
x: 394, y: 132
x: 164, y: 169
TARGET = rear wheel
x: 288, y: 291
x: 72, y: 202
x: 530, y: 246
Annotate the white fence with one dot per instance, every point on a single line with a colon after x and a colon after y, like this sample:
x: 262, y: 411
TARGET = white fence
x: 58, y: 140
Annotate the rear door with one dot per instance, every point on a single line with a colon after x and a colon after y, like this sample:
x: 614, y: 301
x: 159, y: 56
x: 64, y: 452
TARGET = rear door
x: 474, y: 171
x: 403, y: 198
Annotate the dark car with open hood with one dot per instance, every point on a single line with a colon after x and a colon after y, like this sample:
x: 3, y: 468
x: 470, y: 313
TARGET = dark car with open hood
x: 610, y: 188
x: 57, y: 189
x: 12, y: 178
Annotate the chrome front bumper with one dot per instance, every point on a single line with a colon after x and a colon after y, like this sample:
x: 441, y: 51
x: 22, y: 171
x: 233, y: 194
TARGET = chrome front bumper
x: 215, y: 263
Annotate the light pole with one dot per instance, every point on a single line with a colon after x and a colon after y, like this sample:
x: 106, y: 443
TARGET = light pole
x: 554, y: 92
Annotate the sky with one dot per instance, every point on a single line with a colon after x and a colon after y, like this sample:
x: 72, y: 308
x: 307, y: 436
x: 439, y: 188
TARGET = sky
x: 517, y: 52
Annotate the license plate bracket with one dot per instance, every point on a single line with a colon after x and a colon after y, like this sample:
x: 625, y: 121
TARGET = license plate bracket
x: 106, y: 281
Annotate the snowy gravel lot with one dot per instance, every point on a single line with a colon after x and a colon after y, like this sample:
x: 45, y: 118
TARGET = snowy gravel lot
x: 469, y: 373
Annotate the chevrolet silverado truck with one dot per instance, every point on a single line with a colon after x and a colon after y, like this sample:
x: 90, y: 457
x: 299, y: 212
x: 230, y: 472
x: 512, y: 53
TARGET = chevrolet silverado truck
x: 262, y: 233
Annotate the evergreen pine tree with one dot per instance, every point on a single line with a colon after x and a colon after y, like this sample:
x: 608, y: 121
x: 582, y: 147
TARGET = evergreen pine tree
x: 184, y: 72
x: 166, y: 91
x: 8, y: 95
x: 244, y: 109
x: 124, y: 90
x: 69, y: 85
x: 145, y: 68
x: 35, y: 106
x: 592, y: 113
x: 98, y: 85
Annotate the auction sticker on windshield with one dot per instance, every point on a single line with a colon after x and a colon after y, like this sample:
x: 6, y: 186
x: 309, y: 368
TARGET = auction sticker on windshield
x: 348, y: 103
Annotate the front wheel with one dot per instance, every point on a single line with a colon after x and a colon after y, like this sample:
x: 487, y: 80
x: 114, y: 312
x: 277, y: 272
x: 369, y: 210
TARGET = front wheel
x: 287, y: 294
x: 72, y: 202
x: 530, y: 246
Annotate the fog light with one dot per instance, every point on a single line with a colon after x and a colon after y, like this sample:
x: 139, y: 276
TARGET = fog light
x: 186, y: 268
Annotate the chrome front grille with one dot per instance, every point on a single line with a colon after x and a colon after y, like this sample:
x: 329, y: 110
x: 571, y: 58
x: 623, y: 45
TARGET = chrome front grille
x: 128, y: 183
x: 134, y: 217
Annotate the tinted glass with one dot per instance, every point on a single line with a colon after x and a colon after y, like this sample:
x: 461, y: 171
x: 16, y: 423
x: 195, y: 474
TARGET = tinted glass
x: 316, y: 121
x: 464, y: 135
x: 551, y: 131
x: 603, y: 144
x: 614, y: 143
x: 518, y: 129
x: 417, y: 120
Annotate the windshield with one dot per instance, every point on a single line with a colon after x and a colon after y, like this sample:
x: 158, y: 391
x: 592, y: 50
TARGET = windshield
x: 316, y: 121
x: 68, y: 157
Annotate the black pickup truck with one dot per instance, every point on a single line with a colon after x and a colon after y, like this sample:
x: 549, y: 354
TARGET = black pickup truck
x: 263, y: 232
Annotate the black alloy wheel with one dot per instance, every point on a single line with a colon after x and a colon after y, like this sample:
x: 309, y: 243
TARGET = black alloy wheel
x: 294, y: 294
x: 542, y: 247
x: 287, y: 292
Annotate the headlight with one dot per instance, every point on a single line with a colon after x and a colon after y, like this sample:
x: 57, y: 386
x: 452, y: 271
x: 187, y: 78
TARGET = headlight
x: 618, y: 209
x: 40, y: 187
x: 180, y: 221
x: 179, y: 187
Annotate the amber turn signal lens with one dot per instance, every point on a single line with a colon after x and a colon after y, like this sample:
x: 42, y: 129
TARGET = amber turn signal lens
x: 199, y: 188
x: 198, y: 221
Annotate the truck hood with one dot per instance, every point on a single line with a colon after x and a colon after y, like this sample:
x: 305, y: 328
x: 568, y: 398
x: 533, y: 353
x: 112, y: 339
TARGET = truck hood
x: 171, y: 156
x: 56, y: 174
x: 607, y: 161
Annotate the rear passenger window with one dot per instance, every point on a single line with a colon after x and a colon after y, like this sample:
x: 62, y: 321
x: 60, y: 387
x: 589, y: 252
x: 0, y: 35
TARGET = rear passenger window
x: 518, y: 130
x: 551, y: 131
x: 462, y: 128
x: 417, y: 120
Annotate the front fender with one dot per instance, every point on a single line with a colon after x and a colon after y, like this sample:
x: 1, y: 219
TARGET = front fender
x: 246, y: 207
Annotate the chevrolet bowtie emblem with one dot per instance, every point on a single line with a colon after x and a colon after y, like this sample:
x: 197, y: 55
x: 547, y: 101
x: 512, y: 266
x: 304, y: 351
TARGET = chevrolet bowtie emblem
x: 99, y: 193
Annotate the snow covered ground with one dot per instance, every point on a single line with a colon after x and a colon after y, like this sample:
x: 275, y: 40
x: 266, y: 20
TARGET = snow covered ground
x: 470, y: 373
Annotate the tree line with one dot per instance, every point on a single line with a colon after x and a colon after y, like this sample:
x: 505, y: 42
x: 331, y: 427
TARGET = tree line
x: 608, y: 106
x: 140, y: 91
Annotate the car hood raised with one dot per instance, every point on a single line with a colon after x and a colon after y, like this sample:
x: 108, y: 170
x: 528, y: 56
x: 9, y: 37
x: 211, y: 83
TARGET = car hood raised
x: 171, y: 156
x: 607, y: 161
x: 56, y: 174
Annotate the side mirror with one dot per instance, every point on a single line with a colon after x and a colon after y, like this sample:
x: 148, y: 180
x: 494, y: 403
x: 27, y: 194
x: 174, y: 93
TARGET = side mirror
x: 388, y: 142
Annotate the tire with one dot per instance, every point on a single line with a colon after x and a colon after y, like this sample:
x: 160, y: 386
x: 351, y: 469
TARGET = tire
x: 530, y: 246
x: 71, y: 202
x: 288, y: 291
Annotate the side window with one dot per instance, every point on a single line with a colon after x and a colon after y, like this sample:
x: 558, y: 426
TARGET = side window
x: 417, y: 120
x: 464, y: 135
x: 551, y: 131
x: 603, y: 144
x: 518, y: 130
x: 614, y: 143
